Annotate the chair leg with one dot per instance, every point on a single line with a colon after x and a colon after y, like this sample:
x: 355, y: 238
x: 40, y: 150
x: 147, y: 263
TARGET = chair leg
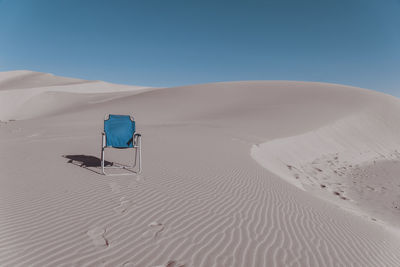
x: 136, y: 155
x: 102, y: 161
x: 140, y: 154
x: 102, y: 155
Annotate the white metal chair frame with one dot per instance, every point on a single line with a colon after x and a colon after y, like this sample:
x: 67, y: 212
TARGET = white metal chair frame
x: 137, y: 145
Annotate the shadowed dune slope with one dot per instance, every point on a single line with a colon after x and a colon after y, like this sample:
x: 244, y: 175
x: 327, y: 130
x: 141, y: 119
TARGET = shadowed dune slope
x: 202, y: 200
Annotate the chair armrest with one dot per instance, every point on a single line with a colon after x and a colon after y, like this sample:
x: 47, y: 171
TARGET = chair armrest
x: 136, y: 136
x: 103, y: 140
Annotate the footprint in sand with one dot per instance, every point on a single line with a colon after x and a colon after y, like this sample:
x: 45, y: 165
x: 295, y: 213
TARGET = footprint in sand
x: 123, y: 206
x: 128, y: 264
x: 172, y: 263
x: 97, y: 236
x: 396, y: 205
x: 33, y: 135
x: 137, y: 182
x: 115, y: 188
x: 155, y: 229
x: 17, y: 130
x: 139, y: 178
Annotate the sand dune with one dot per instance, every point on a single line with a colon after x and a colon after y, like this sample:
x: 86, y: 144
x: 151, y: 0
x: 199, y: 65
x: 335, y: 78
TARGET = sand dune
x: 232, y: 177
x: 22, y: 79
x: 27, y: 94
x: 336, y: 161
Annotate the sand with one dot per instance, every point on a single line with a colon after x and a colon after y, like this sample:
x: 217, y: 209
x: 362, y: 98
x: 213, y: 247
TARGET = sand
x: 253, y: 173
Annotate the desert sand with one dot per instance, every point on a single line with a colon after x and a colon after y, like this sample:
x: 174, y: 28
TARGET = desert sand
x: 252, y: 173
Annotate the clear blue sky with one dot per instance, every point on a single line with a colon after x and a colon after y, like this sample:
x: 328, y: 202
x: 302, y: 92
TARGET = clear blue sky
x: 169, y: 42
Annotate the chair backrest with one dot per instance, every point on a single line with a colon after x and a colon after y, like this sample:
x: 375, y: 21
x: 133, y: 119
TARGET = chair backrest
x: 119, y: 130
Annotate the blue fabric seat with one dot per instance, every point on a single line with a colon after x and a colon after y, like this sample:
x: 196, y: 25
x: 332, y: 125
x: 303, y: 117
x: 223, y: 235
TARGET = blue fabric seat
x: 119, y: 130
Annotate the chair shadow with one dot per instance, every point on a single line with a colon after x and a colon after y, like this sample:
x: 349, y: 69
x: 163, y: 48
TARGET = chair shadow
x: 87, y: 162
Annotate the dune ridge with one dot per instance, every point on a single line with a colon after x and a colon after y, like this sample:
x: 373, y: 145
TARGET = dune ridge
x: 23, y: 94
x: 202, y: 199
x: 22, y: 79
x: 331, y: 158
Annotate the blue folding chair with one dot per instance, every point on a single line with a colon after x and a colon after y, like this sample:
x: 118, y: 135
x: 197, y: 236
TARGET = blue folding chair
x: 119, y: 132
